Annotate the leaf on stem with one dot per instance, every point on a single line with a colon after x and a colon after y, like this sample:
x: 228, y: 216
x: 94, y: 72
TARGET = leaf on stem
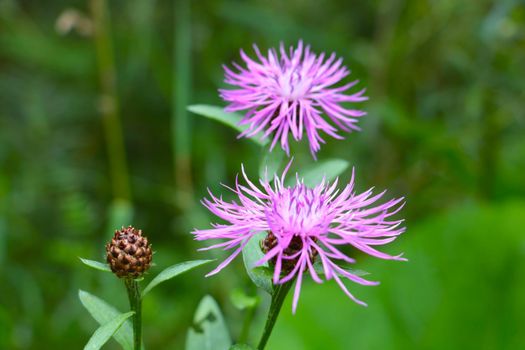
x: 103, y: 313
x: 96, y: 265
x: 209, y: 330
x: 106, y: 331
x: 230, y: 119
x: 173, y: 271
x: 260, y: 275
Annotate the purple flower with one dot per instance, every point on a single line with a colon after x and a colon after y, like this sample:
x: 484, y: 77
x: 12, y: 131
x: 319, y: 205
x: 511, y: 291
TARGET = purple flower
x: 288, y: 93
x: 304, y: 226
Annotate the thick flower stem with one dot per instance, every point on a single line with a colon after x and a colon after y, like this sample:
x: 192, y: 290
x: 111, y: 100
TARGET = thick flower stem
x: 278, y: 297
x: 135, y: 302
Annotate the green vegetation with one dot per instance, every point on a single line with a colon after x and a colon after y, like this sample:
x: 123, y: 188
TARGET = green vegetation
x: 82, y: 154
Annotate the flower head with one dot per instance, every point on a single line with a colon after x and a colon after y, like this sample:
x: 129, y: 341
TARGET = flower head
x: 288, y: 94
x: 129, y: 253
x: 303, y: 226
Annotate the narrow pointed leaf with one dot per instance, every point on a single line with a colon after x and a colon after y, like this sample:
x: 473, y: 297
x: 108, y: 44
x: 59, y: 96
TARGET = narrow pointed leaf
x: 96, y: 265
x: 209, y: 331
x: 230, y: 119
x: 103, y: 313
x: 260, y: 275
x: 106, y: 331
x: 328, y: 169
x: 173, y: 271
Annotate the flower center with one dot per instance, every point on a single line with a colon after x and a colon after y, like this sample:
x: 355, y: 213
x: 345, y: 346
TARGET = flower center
x: 296, y: 215
x: 298, y: 211
x: 292, y: 84
x: 295, y: 246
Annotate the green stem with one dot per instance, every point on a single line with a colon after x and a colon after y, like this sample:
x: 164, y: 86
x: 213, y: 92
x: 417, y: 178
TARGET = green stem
x: 278, y: 297
x: 135, y: 303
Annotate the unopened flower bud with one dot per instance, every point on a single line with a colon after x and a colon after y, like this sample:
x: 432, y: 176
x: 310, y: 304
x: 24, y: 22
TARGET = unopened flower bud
x: 129, y: 253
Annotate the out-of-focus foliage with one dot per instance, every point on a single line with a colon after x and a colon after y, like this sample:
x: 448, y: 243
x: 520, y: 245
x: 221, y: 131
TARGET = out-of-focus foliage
x: 463, y: 289
x: 445, y: 129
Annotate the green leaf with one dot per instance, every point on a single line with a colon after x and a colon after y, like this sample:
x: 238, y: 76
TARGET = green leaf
x: 243, y: 301
x: 173, y: 271
x: 106, y: 331
x: 230, y: 119
x: 328, y: 169
x: 96, y: 265
x: 241, y: 347
x: 271, y: 163
x: 318, y: 268
x: 209, y: 331
x: 103, y: 313
x: 260, y: 275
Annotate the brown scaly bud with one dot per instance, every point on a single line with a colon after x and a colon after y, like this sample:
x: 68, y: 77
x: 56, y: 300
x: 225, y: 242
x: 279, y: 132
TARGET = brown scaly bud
x: 129, y: 253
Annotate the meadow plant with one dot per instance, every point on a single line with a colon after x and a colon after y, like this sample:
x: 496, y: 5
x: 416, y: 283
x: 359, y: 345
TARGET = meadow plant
x: 303, y: 226
x: 128, y: 256
x: 305, y: 229
x: 284, y: 228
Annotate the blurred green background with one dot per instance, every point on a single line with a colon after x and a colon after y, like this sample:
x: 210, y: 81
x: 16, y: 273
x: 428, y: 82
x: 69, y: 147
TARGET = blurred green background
x: 445, y: 129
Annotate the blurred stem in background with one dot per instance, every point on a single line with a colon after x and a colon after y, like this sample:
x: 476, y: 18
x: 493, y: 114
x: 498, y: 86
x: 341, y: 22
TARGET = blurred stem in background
x: 109, y: 103
x: 489, y: 148
x: 387, y: 20
x: 4, y: 190
x: 489, y: 138
x: 180, y: 125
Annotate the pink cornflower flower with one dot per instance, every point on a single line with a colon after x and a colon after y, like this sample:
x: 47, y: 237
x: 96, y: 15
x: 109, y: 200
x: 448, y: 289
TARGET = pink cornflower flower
x: 304, y: 225
x: 289, y: 93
